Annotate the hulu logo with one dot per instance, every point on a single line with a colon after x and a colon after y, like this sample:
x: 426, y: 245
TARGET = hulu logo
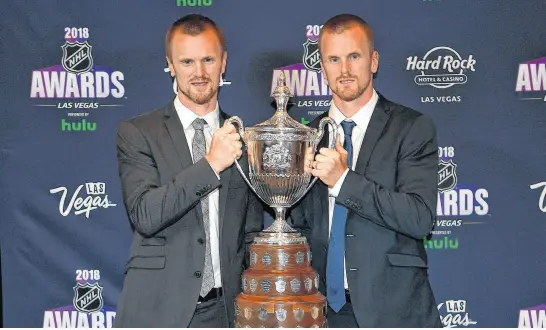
x: 78, y: 126
x: 442, y: 244
x: 193, y: 3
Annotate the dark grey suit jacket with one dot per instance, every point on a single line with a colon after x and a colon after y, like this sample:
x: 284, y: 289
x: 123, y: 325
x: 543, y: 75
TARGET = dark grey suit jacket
x: 391, y: 197
x: 162, y: 189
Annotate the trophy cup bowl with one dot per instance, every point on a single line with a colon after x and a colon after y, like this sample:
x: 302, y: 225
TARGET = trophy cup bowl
x: 280, y: 288
x: 280, y: 153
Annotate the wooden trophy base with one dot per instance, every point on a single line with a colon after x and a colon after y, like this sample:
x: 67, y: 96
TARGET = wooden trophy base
x: 280, y: 289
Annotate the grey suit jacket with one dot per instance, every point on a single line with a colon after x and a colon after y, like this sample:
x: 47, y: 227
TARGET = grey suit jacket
x: 391, y: 197
x: 162, y: 189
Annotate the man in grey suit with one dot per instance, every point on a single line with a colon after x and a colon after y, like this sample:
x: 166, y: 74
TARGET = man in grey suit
x: 376, y: 199
x: 176, y: 167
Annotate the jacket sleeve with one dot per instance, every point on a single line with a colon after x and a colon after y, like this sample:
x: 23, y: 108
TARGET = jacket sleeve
x: 410, y: 209
x: 151, y: 206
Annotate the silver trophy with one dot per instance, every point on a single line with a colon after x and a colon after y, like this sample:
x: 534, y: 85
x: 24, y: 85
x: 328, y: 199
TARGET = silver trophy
x: 280, y: 153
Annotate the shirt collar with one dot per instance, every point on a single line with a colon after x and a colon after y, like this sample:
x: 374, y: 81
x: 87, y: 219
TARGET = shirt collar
x: 187, y: 116
x: 361, y: 117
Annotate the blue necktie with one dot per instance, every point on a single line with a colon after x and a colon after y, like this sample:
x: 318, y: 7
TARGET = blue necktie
x: 335, y: 286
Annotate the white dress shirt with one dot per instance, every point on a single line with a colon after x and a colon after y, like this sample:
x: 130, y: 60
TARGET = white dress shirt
x: 187, y: 117
x: 362, y: 119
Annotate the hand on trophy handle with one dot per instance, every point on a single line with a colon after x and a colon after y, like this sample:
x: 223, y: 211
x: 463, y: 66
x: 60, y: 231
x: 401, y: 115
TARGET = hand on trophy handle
x: 224, y: 148
x: 331, y: 145
x: 308, y: 159
x: 330, y: 164
x: 236, y: 120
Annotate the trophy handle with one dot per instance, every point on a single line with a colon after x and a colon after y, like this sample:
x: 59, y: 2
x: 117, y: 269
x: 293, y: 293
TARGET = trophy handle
x: 239, y: 122
x: 331, y: 145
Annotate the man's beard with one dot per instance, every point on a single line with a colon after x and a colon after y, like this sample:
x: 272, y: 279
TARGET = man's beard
x: 346, y: 94
x: 201, y: 97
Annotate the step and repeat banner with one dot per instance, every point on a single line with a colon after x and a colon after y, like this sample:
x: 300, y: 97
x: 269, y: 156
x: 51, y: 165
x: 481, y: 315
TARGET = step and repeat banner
x: 73, y: 70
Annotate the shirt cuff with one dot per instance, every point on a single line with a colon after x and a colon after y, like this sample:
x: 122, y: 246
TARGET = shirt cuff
x: 334, y: 191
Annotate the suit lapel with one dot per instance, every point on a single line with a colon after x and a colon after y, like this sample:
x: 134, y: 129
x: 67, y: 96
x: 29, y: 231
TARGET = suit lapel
x: 375, y: 127
x: 373, y: 132
x: 225, y: 176
x: 321, y: 188
x: 176, y: 131
x: 180, y: 144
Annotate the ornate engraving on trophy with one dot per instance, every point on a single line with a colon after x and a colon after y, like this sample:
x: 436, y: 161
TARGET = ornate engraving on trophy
x: 266, y: 259
x: 314, y: 312
x: 277, y: 157
x: 280, y: 285
x: 298, y: 314
x: 280, y: 313
x: 308, y: 284
x: 253, y: 258
x: 248, y: 313
x: 300, y: 258
x: 283, y: 258
x: 253, y: 285
x: 309, y: 256
x: 266, y: 285
x: 317, y: 281
x: 295, y: 285
x: 262, y: 314
x: 237, y: 309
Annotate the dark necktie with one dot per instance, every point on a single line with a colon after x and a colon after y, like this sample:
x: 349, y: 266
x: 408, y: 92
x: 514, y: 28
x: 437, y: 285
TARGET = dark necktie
x: 199, y: 147
x: 335, y: 286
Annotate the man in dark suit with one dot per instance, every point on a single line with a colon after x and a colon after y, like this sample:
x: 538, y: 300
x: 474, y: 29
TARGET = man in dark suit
x: 376, y: 199
x: 176, y: 167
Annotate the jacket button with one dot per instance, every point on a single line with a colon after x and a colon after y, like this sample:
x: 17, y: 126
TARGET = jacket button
x: 325, y: 249
x: 197, y: 274
x: 200, y: 240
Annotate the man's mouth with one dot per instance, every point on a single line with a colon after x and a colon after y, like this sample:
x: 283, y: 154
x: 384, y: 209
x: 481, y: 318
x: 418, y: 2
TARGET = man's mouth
x: 199, y: 83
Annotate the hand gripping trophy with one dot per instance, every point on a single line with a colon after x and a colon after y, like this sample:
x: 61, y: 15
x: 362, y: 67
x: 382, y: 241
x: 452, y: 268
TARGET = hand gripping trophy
x: 280, y: 288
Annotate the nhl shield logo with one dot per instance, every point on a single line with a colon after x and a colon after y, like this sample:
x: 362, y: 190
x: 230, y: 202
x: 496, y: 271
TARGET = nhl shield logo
x: 447, y: 177
x: 77, y: 57
x: 311, y: 56
x: 88, y: 297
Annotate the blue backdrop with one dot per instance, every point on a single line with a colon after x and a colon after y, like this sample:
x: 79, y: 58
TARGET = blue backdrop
x: 72, y: 70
